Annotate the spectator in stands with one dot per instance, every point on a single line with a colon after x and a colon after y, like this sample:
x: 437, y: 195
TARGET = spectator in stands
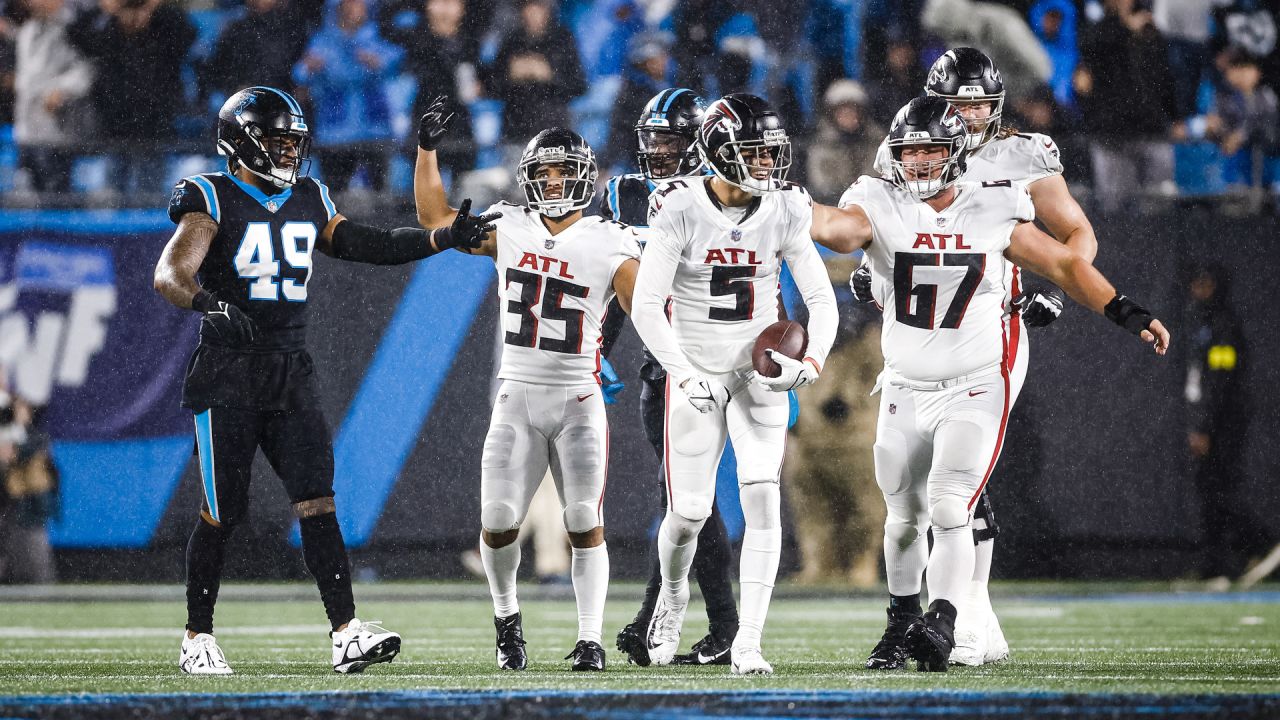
x: 1245, y: 119
x: 845, y: 145
x: 1125, y: 93
x: 1039, y: 112
x: 443, y: 56
x: 649, y: 71
x: 742, y: 58
x: 137, y: 48
x: 696, y: 23
x: 893, y: 83
x: 342, y: 73
x: 51, y: 91
x: 260, y: 47
x: 1054, y: 23
x: 28, y: 495
x: 1252, y: 26
x: 1185, y: 26
x: 535, y: 74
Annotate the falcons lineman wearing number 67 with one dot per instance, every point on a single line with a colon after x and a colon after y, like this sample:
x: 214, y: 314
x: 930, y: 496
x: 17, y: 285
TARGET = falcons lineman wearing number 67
x: 937, y: 247
x: 717, y: 246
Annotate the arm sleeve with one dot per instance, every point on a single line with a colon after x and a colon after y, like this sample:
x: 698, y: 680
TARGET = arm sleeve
x: 653, y: 284
x: 611, y: 328
x: 814, y: 284
x: 376, y: 246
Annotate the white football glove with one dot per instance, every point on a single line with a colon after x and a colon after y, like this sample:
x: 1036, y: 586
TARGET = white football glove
x: 703, y: 392
x: 795, y: 373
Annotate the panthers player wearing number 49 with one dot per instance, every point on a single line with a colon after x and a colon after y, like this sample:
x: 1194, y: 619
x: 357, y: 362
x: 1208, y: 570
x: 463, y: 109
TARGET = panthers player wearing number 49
x: 557, y: 273
x: 716, y: 247
x: 242, y: 258
x: 937, y: 246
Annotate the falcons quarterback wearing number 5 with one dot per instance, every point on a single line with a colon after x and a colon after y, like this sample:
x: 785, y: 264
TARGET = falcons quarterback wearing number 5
x: 937, y: 250
x: 716, y: 248
x: 557, y: 273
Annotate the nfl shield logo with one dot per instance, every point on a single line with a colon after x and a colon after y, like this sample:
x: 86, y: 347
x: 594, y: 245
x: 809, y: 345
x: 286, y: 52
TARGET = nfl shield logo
x: 893, y: 409
x: 272, y: 206
x: 549, y: 244
x: 735, y: 235
x: 942, y: 221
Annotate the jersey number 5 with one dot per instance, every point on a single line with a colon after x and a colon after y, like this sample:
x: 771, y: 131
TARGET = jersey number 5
x: 926, y: 294
x: 531, y: 289
x: 256, y: 260
x: 724, y: 282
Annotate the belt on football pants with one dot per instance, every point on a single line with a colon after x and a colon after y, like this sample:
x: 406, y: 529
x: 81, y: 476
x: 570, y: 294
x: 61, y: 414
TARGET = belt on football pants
x: 897, y: 380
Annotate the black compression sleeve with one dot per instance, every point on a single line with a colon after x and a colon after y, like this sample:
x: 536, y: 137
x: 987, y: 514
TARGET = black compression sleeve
x: 362, y: 243
x: 611, y: 328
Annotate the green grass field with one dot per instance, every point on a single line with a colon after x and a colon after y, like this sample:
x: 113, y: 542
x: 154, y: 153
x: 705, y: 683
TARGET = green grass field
x: 1064, y: 638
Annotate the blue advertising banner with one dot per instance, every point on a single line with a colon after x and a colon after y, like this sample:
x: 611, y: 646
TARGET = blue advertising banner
x: 83, y: 335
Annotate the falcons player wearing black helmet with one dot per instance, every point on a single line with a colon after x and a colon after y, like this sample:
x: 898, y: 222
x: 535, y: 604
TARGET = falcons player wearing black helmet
x: 943, y: 251
x: 242, y: 258
x: 558, y: 270
x: 970, y: 81
x: 716, y: 249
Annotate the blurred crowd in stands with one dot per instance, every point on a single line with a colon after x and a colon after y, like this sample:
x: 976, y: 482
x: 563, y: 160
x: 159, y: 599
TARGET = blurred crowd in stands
x: 114, y: 99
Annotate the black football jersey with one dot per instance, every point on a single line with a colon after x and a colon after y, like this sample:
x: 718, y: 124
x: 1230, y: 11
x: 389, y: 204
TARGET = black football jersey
x: 626, y: 199
x: 260, y: 260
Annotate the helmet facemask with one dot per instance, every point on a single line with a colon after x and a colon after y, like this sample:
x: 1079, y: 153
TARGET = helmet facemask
x: 663, y: 154
x: 739, y: 162
x: 278, y: 156
x: 981, y: 130
x: 923, y: 179
x: 572, y: 190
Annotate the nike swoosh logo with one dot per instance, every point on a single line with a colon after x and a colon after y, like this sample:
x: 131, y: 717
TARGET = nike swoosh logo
x: 584, y: 397
x: 975, y: 394
x: 708, y: 659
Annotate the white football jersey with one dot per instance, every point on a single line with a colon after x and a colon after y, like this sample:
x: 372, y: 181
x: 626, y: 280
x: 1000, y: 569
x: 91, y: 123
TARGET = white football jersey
x: 724, y: 290
x: 941, y: 277
x: 553, y: 291
x: 1022, y: 158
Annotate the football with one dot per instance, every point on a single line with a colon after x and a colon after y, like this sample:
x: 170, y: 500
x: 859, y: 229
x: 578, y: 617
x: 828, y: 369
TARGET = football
x: 785, y: 336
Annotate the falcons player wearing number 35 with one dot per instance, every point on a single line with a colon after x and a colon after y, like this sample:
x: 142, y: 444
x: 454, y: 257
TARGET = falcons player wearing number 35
x: 937, y: 249
x: 716, y: 247
x: 557, y: 273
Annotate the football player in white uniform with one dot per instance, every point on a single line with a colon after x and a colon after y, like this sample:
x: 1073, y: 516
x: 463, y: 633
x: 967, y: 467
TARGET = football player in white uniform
x: 716, y: 248
x: 970, y: 81
x: 937, y: 249
x: 558, y: 271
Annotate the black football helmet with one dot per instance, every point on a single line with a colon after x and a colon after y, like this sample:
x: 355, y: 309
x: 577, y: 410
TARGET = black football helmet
x: 928, y: 120
x: 666, y: 133
x: 737, y: 133
x: 263, y: 130
x: 965, y: 75
x: 558, y: 146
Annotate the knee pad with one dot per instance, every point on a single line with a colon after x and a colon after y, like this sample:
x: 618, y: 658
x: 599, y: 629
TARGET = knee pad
x: 761, y: 505
x: 949, y: 512
x: 682, y: 530
x: 497, y: 516
x: 582, y: 457
x: 690, y: 507
x: 497, y: 447
x: 580, y: 517
x: 901, y: 534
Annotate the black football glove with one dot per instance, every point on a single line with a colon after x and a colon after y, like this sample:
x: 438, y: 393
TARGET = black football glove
x: 225, y: 321
x: 467, y: 231
x: 434, y: 124
x: 1039, y: 307
x: 860, y: 284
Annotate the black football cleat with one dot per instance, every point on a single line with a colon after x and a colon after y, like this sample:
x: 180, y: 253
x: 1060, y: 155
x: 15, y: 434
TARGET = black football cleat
x: 891, y: 652
x: 931, y: 638
x: 710, y: 650
x: 511, y: 655
x: 587, y: 656
x: 631, y: 643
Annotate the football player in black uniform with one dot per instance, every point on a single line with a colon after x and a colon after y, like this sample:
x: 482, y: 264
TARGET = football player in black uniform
x: 242, y: 257
x: 665, y: 135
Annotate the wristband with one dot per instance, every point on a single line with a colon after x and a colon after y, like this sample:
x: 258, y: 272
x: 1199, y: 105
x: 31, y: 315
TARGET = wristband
x: 1128, y: 314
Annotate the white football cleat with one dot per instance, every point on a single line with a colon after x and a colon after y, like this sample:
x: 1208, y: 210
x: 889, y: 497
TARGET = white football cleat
x: 362, y: 644
x: 750, y: 661
x: 202, y: 656
x: 997, y: 646
x: 663, y: 637
x: 971, y: 640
